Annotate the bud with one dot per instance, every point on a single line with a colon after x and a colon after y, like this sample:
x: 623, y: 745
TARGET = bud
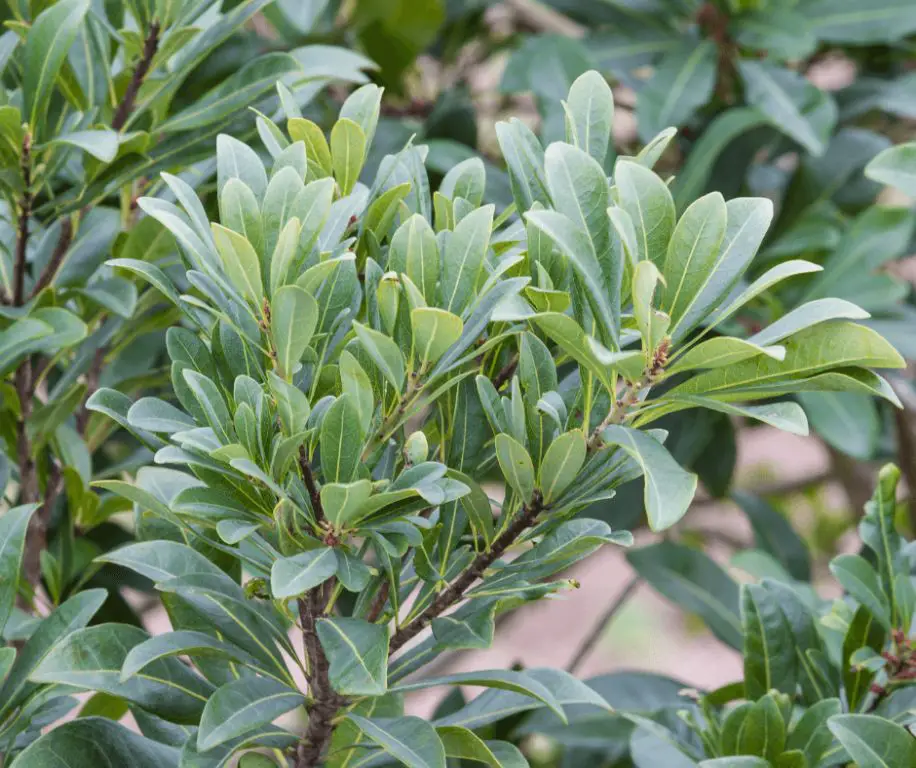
x: 416, y: 449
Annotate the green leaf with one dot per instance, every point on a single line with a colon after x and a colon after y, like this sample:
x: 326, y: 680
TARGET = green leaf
x: 499, y: 679
x: 242, y: 705
x: 878, y: 532
x: 516, y: 466
x: 847, y: 21
x: 358, y: 655
x: 896, y: 167
x: 811, y: 734
x: 414, y: 252
x: 284, y: 254
x: 237, y: 91
x: 293, y: 318
x: 434, y: 331
x: 363, y: 107
x: 46, y: 45
x: 462, y: 744
x: 316, y: 145
x: 693, y: 252
x: 156, y: 415
x: 524, y: 157
x: 748, y: 220
x: 181, y: 643
x: 236, y: 160
x: 494, y: 705
x: 151, y: 273
x: 741, y: 761
x: 240, y: 262
x: 682, y: 82
x: 668, y: 489
x: 93, y: 741
x: 71, y: 615
x: 720, y: 352
x: 384, y: 352
x: 811, y: 351
x: 212, y: 404
x: 783, y: 96
x: 561, y: 464
x: 465, y: 628
x: 783, y: 35
x: 574, y: 243
x: 102, y: 144
x: 348, y: 153
x: 865, y: 631
x: 14, y: 524
x: 648, y: 202
x: 409, y: 740
x: 769, y: 648
x: 20, y: 339
x: 340, y: 440
x: 859, y: 579
x: 463, y: 259
x: 590, y: 115
x: 874, y: 742
x: 693, y: 581
x: 239, y: 211
x: 292, y: 576
x: 806, y: 315
x: 92, y: 658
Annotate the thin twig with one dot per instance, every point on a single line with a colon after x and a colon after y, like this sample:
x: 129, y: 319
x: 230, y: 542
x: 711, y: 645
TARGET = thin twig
x: 591, y: 640
x: 57, y: 257
x: 310, y: 485
x: 126, y: 107
x: 25, y: 211
x: 455, y: 591
x: 505, y: 373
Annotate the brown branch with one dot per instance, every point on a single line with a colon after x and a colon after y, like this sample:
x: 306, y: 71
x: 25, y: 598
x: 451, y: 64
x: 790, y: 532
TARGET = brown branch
x: 325, y: 700
x: 505, y: 373
x: 57, y: 257
x: 310, y: 485
x: 25, y: 211
x: 37, y: 534
x: 455, y: 591
x: 126, y: 107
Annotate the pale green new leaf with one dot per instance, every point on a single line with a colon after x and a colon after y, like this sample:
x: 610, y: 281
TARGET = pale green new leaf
x: 348, y: 153
x: 293, y: 318
x: 516, y: 465
x: 434, y: 331
x: 240, y: 262
x: 561, y: 463
x: 463, y: 258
